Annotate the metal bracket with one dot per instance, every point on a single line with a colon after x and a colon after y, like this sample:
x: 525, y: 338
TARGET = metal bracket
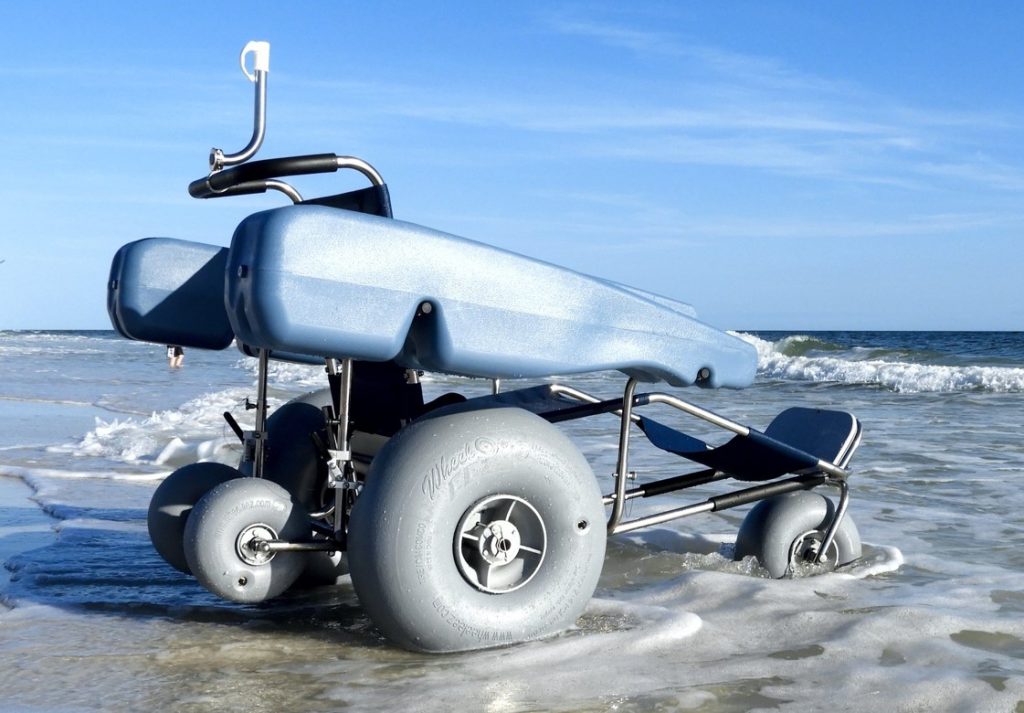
x: 340, y: 470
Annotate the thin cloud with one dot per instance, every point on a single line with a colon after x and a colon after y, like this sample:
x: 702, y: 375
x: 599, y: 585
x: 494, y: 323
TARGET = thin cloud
x: 679, y: 231
x: 991, y: 173
x: 797, y: 137
x: 747, y: 69
x: 640, y: 41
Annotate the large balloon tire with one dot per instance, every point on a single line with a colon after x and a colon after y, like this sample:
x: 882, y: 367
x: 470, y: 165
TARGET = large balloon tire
x: 225, y: 521
x: 782, y: 531
x: 172, y: 503
x: 417, y: 531
x: 295, y: 463
x: 293, y: 459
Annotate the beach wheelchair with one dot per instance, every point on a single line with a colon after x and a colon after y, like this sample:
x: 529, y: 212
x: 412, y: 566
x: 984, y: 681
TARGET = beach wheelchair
x: 463, y: 522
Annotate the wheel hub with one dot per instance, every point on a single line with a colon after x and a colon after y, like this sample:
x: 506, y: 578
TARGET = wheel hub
x: 805, y: 548
x: 499, y: 543
x: 248, y: 544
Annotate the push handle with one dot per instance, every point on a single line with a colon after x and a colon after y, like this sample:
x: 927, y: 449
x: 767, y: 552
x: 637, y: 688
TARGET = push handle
x: 227, y: 181
x: 255, y: 177
x: 230, y: 175
x: 260, y: 52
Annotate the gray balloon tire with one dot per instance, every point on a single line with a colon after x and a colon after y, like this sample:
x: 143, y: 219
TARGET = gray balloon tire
x: 773, y: 525
x: 402, y: 531
x: 172, y: 502
x: 212, y: 536
x: 294, y: 462
x: 292, y: 458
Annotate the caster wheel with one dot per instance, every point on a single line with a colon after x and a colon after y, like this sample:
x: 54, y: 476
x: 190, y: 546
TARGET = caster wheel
x: 786, y: 532
x: 172, y: 503
x: 476, y: 529
x: 223, y: 534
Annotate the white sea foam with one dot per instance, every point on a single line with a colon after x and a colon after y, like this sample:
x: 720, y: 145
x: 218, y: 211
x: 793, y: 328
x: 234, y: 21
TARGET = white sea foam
x: 675, y: 623
x: 289, y: 375
x: 774, y: 363
x: 194, y: 431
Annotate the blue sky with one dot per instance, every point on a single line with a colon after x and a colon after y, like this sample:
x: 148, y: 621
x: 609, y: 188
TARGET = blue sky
x: 784, y: 165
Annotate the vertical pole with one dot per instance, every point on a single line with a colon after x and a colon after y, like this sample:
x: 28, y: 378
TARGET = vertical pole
x: 830, y: 534
x: 259, y: 431
x: 341, y: 455
x: 622, y: 468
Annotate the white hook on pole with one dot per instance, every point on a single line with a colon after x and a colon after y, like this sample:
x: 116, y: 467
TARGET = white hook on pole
x: 260, y: 50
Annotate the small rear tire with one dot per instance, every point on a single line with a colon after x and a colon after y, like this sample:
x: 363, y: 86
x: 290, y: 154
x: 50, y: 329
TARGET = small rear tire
x: 785, y: 533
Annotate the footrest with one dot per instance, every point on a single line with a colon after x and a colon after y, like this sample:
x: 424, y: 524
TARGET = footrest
x: 794, y: 442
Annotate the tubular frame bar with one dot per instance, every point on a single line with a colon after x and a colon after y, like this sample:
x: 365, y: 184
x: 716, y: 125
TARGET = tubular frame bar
x: 310, y: 546
x: 622, y: 469
x: 844, y: 502
x: 671, y: 485
x: 260, y: 428
x: 282, y: 187
x: 358, y: 164
x: 830, y: 471
x: 341, y: 396
x: 586, y: 398
x: 220, y: 160
x: 724, y: 502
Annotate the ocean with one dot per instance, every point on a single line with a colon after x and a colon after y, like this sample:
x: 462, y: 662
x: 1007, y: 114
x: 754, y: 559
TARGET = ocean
x: 932, y: 617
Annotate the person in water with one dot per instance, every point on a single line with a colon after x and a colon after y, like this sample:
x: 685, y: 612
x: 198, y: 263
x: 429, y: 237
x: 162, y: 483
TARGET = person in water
x: 175, y: 356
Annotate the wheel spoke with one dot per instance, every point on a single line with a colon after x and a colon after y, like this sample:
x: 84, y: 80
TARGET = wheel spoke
x: 511, y: 507
x: 483, y: 573
x: 490, y: 549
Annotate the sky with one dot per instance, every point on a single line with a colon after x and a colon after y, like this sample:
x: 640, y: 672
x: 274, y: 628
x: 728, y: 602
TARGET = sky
x: 778, y: 165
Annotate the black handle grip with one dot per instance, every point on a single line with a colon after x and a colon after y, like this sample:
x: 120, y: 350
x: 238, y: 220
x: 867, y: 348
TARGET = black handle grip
x: 249, y: 177
x: 241, y: 189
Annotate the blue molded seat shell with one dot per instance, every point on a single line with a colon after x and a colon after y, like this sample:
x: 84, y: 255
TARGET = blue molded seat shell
x: 320, y: 281
x: 170, y: 292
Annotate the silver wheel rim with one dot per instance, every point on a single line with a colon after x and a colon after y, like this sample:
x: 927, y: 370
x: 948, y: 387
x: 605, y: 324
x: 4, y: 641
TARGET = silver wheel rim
x: 500, y: 544
x: 246, y: 546
x: 805, y: 548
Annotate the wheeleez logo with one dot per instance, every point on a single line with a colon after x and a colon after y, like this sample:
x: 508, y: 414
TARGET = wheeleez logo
x: 441, y: 473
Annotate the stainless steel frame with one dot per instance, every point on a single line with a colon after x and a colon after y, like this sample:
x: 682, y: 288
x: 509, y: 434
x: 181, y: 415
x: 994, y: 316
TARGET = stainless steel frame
x: 830, y: 473
x: 341, y: 476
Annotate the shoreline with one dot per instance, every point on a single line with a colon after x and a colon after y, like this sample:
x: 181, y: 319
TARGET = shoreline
x: 25, y: 527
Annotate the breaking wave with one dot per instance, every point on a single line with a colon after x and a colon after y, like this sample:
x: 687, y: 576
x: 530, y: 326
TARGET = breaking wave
x: 194, y: 431
x: 809, y: 358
